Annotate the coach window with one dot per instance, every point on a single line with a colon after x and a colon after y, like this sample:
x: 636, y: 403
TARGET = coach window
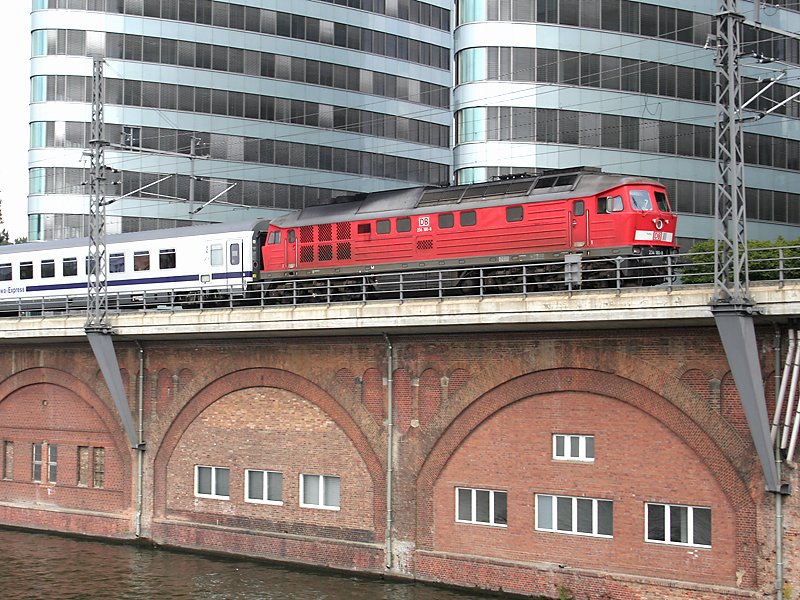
x: 234, y: 254
x: 513, y: 213
x: 116, y: 262
x: 468, y: 218
x: 383, y: 226
x: 69, y: 267
x: 26, y: 270
x: 216, y: 255
x: 48, y: 268
x: 166, y: 259
x: 446, y: 220
x: 364, y: 228
x: 403, y: 225
x: 5, y: 272
x: 141, y: 260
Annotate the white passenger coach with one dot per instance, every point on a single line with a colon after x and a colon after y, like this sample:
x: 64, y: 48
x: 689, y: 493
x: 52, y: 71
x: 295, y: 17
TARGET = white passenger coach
x: 181, y: 264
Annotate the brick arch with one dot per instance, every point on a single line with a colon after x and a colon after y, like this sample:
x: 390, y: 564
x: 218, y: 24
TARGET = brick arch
x: 271, y: 378
x: 598, y: 383
x: 63, y: 379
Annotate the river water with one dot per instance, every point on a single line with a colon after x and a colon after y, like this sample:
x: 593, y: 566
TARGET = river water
x: 37, y: 566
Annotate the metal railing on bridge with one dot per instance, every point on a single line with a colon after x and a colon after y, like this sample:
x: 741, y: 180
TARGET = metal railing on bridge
x: 573, y: 274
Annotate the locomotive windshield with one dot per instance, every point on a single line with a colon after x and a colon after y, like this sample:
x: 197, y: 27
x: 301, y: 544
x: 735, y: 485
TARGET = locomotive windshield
x: 661, y: 201
x: 640, y: 200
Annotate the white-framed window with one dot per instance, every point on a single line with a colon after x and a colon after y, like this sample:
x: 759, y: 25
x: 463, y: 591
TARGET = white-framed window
x: 212, y: 482
x: 320, y: 491
x: 52, y: 462
x: 482, y: 507
x: 573, y: 447
x: 575, y: 515
x: 678, y: 524
x: 36, y: 473
x: 263, y: 487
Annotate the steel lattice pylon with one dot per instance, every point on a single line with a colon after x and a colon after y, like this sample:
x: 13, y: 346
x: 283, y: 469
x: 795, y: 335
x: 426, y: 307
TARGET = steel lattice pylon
x: 731, y: 277
x: 97, y: 302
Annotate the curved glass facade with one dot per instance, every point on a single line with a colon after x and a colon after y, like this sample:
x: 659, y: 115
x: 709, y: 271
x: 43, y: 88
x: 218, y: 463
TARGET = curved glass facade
x: 265, y: 109
x: 629, y: 87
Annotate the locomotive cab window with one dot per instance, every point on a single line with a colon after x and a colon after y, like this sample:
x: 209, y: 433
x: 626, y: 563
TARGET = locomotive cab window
x: 383, y: 226
x: 166, y: 259
x: 364, y: 228
x: 513, y: 213
x: 48, y: 268
x: 403, y: 225
x: 640, y: 200
x: 26, y: 270
x: 578, y: 208
x: 446, y: 220
x: 468, y: 218
x: 274, y: 237
x: 661, y: 202
x: 290, y: 237
x: 5, y: 272
x: 69, y: 267
x: 141, y: 260
x: 609, y: 204
x: 116, y: 263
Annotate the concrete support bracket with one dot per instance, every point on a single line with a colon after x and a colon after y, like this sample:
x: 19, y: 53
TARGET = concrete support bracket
x: 735, y: 326
x: 103, y: 348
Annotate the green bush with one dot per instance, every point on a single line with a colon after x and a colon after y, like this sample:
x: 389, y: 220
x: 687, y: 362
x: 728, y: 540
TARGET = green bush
x: 763, y: 261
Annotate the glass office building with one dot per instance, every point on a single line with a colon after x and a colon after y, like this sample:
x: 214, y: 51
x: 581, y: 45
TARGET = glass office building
x: 627, y: 86
x: 240, y: 107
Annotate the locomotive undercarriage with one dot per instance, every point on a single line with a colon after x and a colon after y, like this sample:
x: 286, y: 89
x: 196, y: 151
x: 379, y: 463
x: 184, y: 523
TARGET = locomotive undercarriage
x: 572, y: 273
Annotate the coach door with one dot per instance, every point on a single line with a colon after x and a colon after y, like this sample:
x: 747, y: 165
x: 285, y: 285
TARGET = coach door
x: 235, y: 263
x: 579, y: 226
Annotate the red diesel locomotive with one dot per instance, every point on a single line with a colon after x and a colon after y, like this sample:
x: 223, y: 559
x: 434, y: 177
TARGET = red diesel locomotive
x: 500, y: 223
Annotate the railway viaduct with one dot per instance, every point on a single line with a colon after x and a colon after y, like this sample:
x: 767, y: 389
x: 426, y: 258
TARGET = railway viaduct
x: 418, y: 439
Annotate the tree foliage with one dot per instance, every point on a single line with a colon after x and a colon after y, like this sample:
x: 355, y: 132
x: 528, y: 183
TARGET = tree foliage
x: 766, y: 259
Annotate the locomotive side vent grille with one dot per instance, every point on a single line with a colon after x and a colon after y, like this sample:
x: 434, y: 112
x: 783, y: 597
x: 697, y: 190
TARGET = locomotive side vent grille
x: 325, y: 232
x: 424, y: 244
x: 343, y: 231
x: 325, y: 252
x: 306, y: 254
x: 307, y: 234
x: 343, y: 251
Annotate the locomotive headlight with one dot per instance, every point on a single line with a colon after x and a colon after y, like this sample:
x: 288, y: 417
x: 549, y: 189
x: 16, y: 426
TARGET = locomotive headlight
x: 658, y: 223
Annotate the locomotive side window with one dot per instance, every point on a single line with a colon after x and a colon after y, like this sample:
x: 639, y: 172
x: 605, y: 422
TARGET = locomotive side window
x: 116, y: 263
x: 234, y: 254
x: 513, y: 213
x: 468, y: 218
x: 26, y: 270
x: 166, y: 259
x: 48, y: 268
x: 446, y: 220
x: 5, y: 272
x: 403, y: 224
x: 383, y: 226
x: 363, y: 228
x: 610, y: 204
x: 274, y: 237
x: 578, y: 208
x: 69, y: 267
x: 640, y: 200
x: 141, y: 260
x: 216, y: 255
x: 661, y: 201
x: 290, y: 237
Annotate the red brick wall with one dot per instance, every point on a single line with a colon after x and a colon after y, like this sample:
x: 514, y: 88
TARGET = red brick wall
x: 475, y: 409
